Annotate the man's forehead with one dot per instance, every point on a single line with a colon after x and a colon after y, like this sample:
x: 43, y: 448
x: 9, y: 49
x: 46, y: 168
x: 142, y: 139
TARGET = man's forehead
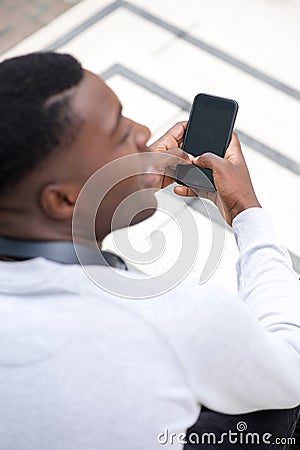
x: 95, y: 101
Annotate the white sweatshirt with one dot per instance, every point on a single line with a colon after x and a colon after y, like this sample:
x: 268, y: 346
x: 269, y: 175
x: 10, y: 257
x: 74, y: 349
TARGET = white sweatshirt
x: 81, y: 369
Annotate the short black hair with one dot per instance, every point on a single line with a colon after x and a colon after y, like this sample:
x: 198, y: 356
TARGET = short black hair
x: 33, y: 122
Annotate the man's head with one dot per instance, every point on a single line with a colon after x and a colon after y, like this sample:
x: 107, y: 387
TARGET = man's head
x: 58, y: 125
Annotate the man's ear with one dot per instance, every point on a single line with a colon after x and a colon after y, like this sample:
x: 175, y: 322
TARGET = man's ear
x: 58, y: 200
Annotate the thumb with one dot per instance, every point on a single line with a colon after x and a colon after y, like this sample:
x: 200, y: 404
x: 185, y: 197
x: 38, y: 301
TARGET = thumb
x: 208, y: 161
x: 234, y: 151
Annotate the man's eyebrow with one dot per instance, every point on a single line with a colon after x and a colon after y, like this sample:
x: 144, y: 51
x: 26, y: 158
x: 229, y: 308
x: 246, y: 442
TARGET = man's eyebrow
x: 117, y: 121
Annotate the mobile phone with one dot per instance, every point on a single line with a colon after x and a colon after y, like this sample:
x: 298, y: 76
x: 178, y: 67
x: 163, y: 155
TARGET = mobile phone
x: 209, y: 129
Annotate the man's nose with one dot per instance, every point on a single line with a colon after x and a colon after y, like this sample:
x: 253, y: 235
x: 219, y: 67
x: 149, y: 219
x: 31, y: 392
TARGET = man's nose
x: 142, y: 134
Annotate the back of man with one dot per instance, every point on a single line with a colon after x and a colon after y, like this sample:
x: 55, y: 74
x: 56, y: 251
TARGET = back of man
x: 85, y: 369
x: 81, y: 366
x: 80, y: 369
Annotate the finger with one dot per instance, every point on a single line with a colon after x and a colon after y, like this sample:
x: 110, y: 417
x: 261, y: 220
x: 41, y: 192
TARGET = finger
x: 234, y: 150
x: 175, y: 133
x: 167, y: 180
x: 207, y: 160
x: 172, y: 138
x: 181, y: 154
x: 178, y: 130
x: 165, y: 164
x: 185, y: 191
x: 168, y: 160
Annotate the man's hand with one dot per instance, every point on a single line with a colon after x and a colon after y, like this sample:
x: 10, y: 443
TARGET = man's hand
x: 235, y: 192
x: 171, y: 139
x: 171, y: 142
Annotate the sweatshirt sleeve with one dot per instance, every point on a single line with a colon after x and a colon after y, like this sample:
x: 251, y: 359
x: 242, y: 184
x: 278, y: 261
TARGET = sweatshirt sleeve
x: 267, y: 282
x: 241, y: 354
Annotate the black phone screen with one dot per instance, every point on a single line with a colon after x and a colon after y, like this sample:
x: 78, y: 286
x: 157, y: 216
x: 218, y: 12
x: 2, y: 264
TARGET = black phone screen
x: 210, y: 125
x: 209, y: 129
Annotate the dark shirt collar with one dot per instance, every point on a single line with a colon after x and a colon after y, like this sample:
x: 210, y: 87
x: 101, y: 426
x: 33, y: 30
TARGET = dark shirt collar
x: 58, y: 251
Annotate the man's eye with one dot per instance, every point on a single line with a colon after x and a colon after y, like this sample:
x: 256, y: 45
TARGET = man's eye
x: 126, y: 135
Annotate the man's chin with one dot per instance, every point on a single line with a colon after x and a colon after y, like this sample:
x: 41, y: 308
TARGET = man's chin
x: 134, y: 210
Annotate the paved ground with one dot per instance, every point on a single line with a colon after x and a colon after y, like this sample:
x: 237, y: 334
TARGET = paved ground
x: 19, y: 19
x: 157, y: 55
